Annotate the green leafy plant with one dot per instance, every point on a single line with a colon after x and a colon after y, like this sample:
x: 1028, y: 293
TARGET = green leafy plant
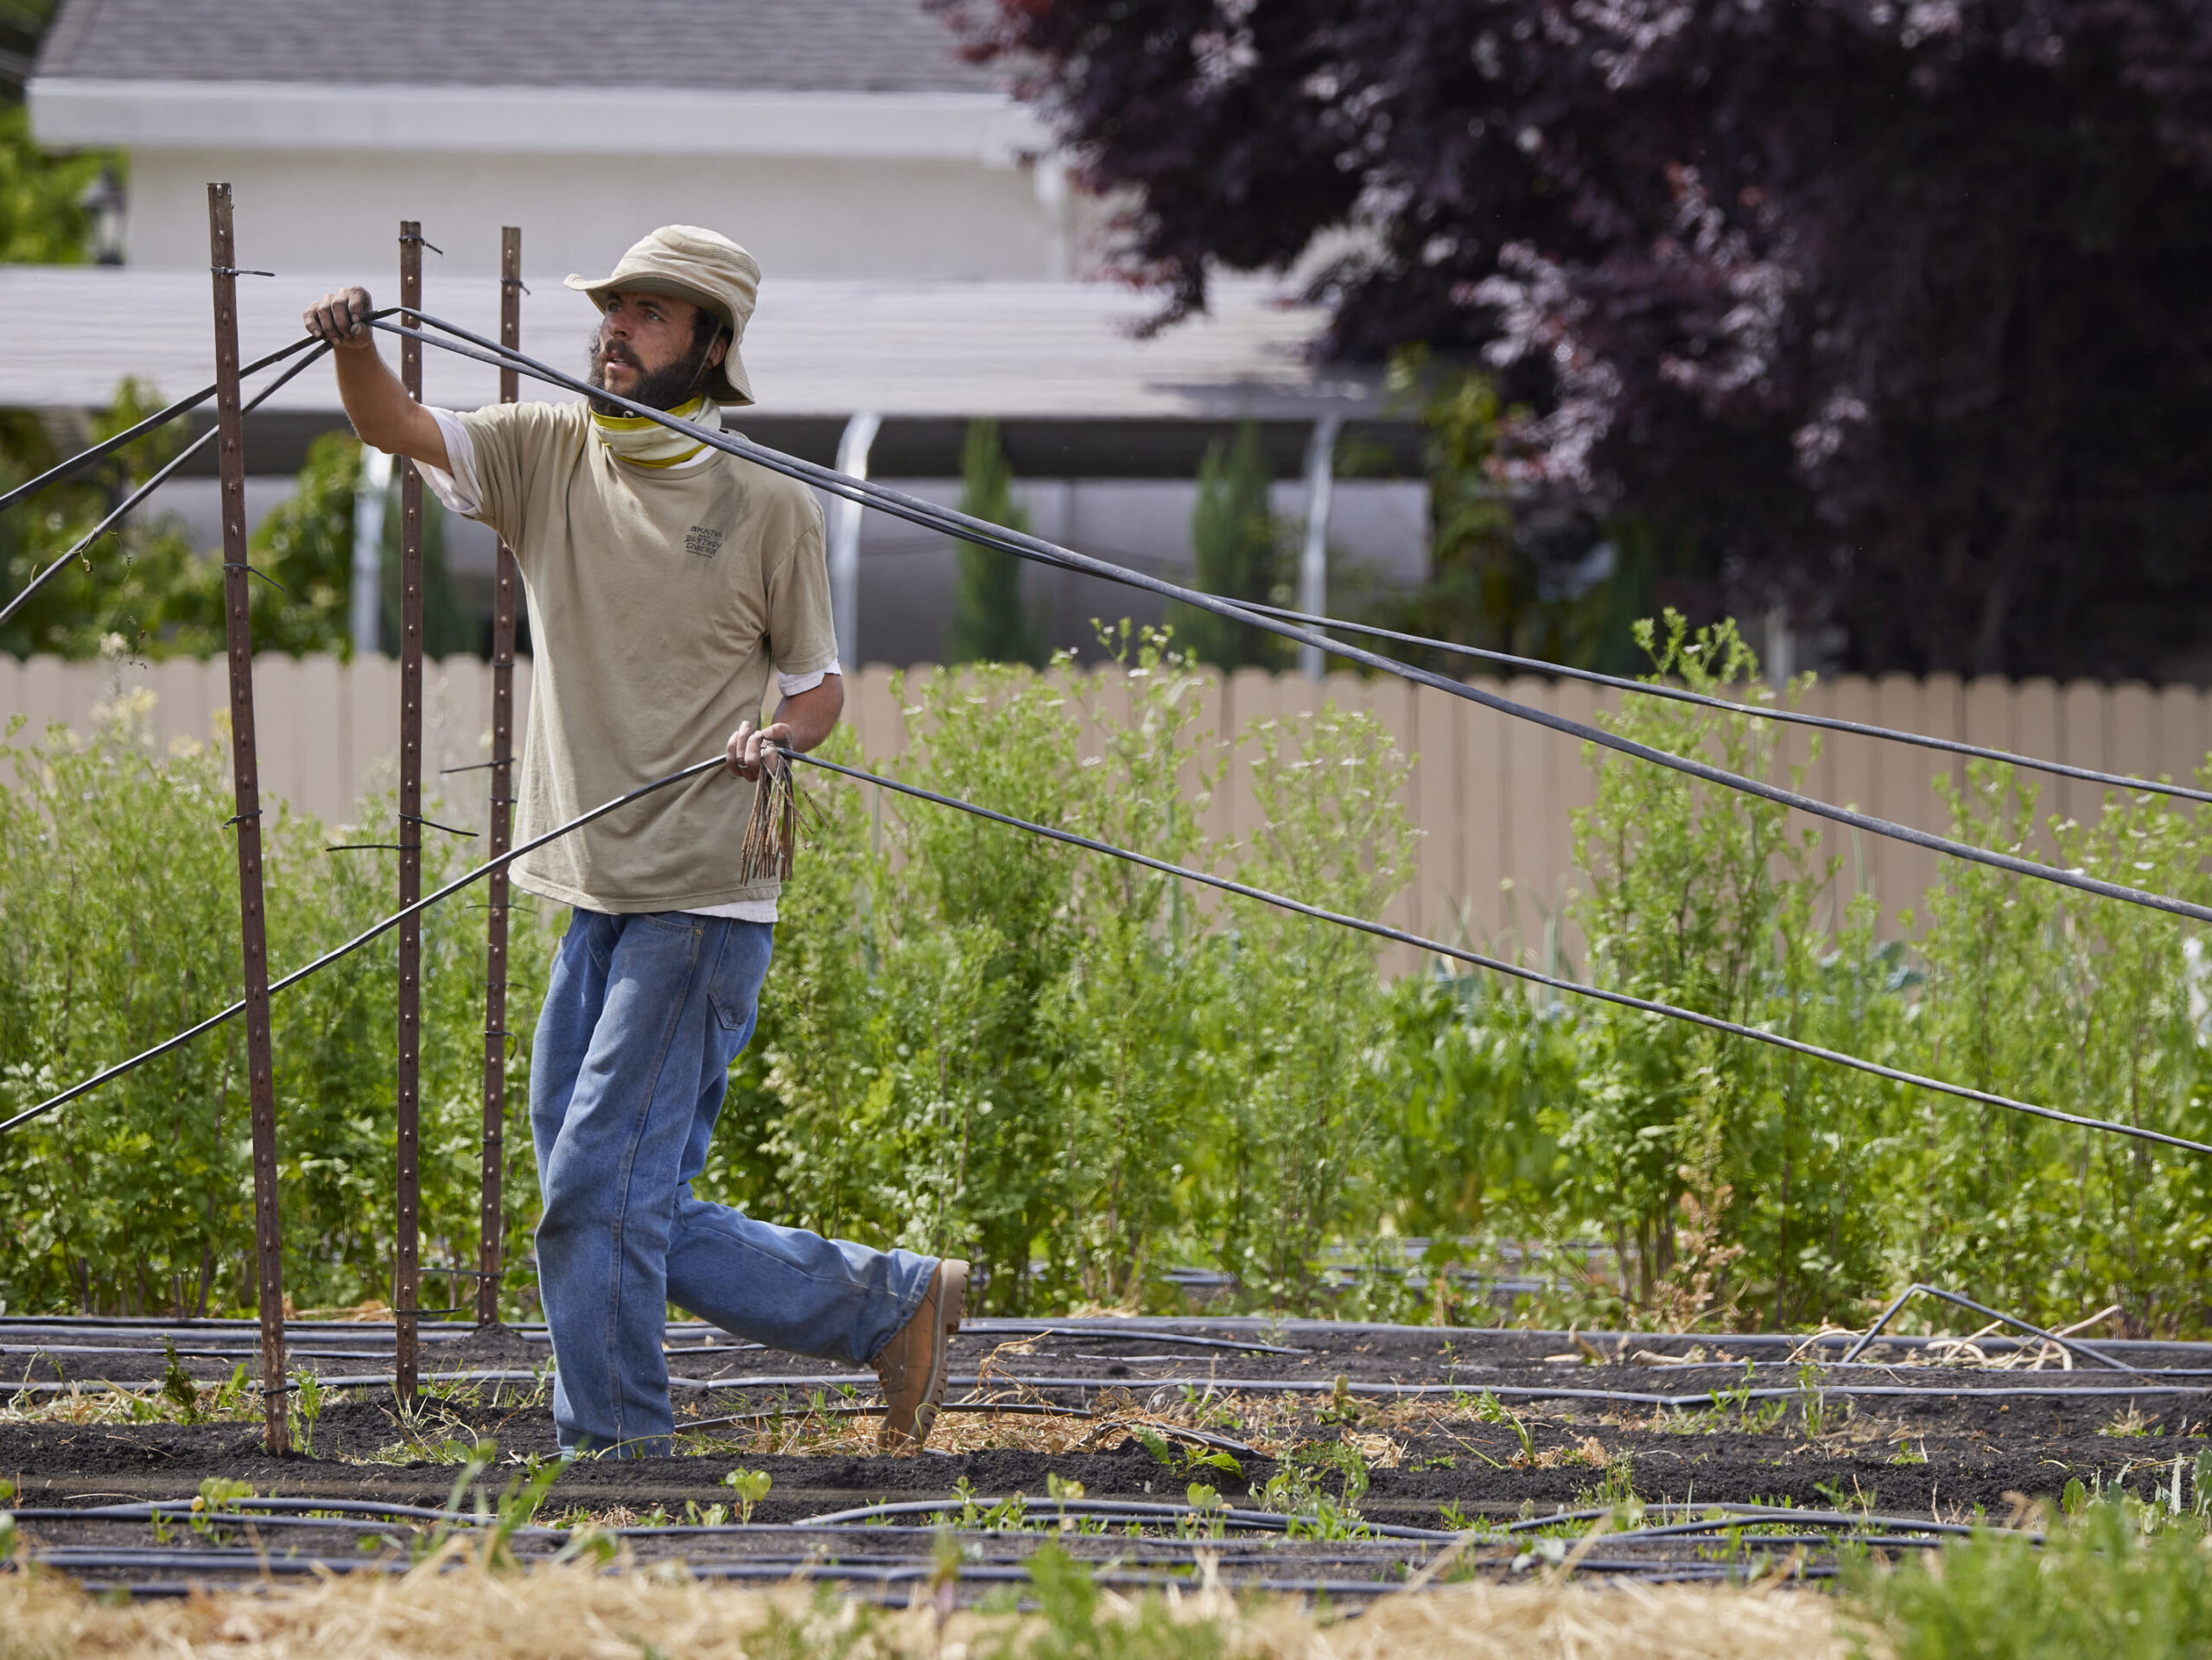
x: 306, y: 1408
x: 1812, y: 1401
x: 749, y: 1487
x: 2107, y: 1584
x: 1078, y: 1073
x: 219, y: 1495
x: 176, y: 1383
x: 120, y: 886
x: 1072, y: 1625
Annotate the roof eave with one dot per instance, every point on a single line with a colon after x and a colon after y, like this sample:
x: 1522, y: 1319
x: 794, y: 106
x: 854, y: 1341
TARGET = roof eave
x: 71, y: 112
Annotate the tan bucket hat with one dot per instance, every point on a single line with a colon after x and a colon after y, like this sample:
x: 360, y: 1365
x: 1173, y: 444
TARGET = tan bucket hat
x: 703, y: 267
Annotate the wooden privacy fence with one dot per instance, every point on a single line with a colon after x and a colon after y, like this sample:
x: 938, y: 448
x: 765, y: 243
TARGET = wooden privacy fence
x: 1492, y: 796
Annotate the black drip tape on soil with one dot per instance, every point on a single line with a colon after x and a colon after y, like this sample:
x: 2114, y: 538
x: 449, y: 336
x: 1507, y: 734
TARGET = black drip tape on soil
x: 1742, y: 1460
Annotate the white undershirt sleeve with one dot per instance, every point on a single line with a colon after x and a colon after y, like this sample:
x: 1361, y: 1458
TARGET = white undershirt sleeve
x: 456, y: 484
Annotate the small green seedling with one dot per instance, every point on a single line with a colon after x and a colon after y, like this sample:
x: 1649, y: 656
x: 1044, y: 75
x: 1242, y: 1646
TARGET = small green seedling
x: 1212, y: 1510
x: 518, y: 1507
x: 750, y: 1486
x: 1212, y: 1460
x: 176, y: 1383
x: 218, y: 1495
x: 1528, y: 1437
x: 307, y: 1408
x: 1154, y: 1443
x: 1812, y: 1401
x: 231, y: 1395
x: 1341, y: 1409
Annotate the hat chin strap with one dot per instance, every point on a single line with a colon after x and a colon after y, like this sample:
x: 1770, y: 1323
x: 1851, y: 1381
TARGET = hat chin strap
x: 707, y: 364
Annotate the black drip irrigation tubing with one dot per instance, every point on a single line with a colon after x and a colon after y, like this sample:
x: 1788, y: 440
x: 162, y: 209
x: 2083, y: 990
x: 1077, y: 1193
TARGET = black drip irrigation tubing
x: 1225, y: 1386
x: 1951, y: 1297
x: 870, y: 1523
x: 981, y: 1408
x: 1146, y: 1331
x: 1890, y: 1368
x: 106, y: 447
x: 1150, y: 1327
x: 1034, y: 549
x: 242, y: 1352
x: 155, y: 1323
x: 1038, y: 551
x: 160, y: 478
x: 1499, y: 965
x: 360, y: 940
x: 1135, y: 1330
x: 78, y: 1562
x: 1697, y: 1517
x: 305, y: 1351
x: 1782, y: 714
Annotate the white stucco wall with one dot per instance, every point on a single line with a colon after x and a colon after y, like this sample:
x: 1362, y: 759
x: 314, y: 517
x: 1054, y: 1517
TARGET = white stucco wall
x: 800, y: 216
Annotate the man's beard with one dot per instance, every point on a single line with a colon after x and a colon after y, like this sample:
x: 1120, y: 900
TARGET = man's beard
x: 657, y: 388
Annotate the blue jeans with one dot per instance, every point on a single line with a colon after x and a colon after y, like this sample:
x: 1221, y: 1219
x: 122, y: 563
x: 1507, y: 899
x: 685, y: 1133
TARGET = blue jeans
x: 641, y: 1021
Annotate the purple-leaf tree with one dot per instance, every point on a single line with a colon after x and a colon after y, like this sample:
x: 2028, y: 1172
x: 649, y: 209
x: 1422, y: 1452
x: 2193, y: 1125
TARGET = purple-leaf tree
x: 1903, y: 310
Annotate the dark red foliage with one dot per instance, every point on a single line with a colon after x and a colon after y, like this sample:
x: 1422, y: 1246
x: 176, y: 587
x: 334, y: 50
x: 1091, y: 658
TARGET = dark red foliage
x: 1904, y: 308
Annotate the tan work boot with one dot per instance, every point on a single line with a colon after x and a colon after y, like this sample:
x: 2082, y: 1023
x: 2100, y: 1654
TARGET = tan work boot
x: 912, y: 1366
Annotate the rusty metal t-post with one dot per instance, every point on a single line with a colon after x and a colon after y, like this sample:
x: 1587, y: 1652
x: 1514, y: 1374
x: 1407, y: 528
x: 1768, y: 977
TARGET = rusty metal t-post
x: 405, y: 1277
x: 246, y: 778
x: 490, y: 1218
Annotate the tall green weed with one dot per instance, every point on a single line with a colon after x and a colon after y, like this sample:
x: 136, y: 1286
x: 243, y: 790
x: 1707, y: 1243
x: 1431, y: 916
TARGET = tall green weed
x: 1080, y: 1073
x: 120, y: 895
x: 2118, y: 1579
x: 1063, y: 1065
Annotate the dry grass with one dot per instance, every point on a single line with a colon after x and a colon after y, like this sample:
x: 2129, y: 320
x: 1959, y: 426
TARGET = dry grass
x: 575, y: 1613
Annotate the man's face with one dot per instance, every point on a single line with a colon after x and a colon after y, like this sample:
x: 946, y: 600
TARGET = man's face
x: 647, y: 349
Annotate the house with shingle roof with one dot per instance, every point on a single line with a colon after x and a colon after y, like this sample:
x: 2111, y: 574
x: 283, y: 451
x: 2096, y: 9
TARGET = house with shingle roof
x: 847, y: 139
x: 925, y: 260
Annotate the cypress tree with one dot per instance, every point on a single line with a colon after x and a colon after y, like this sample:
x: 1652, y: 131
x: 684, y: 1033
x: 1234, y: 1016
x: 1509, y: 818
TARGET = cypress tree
x: 1236, y: 545
x: 989, y: 623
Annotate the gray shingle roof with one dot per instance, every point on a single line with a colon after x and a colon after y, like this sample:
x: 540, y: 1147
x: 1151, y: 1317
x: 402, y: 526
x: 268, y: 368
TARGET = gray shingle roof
x: 741, y: 45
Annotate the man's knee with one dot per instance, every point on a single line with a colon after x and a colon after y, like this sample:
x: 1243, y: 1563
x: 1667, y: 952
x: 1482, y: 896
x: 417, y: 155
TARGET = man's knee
x: 576, y: 1207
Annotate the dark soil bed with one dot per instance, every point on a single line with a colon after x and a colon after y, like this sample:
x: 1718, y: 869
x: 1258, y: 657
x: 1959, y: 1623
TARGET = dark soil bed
x: 1513, y: 1427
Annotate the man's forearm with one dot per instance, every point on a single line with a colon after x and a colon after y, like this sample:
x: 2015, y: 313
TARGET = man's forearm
x: 383, y: 415
x: 812, y: 714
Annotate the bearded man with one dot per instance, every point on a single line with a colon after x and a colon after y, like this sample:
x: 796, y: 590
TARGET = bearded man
x: 665, y: 579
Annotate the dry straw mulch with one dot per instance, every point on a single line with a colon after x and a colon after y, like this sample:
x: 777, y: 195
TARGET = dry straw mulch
x: 579, y: 1614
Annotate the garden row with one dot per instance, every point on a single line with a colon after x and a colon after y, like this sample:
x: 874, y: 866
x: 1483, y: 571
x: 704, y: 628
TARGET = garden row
x: 1083, y: 1076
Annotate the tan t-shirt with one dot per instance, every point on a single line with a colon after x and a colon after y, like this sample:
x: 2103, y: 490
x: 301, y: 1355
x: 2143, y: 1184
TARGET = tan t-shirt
x: 660, y: 601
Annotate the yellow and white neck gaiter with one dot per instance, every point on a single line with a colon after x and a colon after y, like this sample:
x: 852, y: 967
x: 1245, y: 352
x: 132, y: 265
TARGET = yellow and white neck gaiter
x: 643, y: 443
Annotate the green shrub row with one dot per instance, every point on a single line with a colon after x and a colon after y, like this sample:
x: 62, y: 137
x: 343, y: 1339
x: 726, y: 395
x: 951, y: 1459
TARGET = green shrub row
x: 1081, y: 1074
